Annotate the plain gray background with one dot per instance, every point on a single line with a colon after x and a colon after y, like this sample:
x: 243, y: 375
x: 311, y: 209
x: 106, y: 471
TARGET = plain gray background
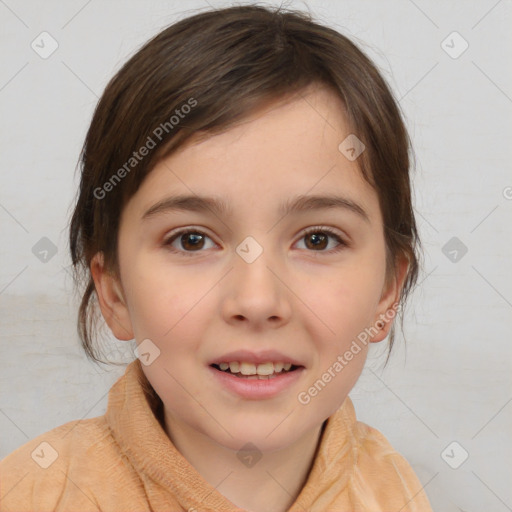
x: 452, y: 382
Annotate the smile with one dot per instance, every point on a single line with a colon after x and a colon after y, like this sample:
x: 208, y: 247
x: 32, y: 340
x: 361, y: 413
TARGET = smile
x: 256, y: 381
x: 262, y: 371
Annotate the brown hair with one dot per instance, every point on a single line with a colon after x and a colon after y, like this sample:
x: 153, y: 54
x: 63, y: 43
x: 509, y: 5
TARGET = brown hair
x: 221, y: 64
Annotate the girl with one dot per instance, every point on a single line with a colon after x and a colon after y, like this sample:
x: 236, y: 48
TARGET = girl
x: 245, y: 215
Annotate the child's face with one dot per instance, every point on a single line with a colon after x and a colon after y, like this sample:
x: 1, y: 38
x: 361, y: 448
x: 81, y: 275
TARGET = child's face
x: 201, y: 298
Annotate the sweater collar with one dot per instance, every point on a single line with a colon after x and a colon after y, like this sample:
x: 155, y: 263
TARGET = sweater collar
x: 134, y: 417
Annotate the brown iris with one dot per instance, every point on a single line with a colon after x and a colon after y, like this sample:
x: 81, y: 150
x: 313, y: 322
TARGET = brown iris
x: 192, y: 241
x: 320, y: 241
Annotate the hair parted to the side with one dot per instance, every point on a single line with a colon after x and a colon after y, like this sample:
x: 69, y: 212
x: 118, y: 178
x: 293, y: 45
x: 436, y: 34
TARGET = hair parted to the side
x: 224, y: 64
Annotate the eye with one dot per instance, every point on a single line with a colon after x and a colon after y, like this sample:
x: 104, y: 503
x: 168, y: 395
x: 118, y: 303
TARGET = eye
x: 317, y: 239
x: 188, y: 241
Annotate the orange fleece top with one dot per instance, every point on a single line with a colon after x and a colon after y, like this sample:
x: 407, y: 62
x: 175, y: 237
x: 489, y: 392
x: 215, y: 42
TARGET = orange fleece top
x: 124, y: 461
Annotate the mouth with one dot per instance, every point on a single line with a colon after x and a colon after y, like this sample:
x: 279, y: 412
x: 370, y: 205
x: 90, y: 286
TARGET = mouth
x: 251, y: 371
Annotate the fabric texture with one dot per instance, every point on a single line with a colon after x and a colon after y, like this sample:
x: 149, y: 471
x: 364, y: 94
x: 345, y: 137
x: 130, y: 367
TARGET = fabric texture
x: 124, y: 461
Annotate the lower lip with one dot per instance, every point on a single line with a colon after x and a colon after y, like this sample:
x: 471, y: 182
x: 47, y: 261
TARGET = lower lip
x: 256, y: 389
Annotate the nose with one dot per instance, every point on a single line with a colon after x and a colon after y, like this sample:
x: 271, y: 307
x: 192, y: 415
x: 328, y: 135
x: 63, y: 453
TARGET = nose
x: 256, y: 294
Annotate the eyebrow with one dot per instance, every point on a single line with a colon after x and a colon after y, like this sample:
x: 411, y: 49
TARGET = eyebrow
x: 219, y: 207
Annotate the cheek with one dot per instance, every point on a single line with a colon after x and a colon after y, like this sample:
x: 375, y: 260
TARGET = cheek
x: 163, y: 300
x: 346, y: 304
x: 346, y: 299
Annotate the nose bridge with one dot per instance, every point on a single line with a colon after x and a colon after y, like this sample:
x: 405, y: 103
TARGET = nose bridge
x: 252, y: 264
x: 256, y: 290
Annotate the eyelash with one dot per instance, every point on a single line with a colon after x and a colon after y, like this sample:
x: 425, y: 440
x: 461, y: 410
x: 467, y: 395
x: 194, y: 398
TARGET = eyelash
x: 317, y: 229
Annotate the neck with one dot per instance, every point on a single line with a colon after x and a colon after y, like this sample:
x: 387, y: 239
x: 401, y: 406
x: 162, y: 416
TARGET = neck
x: 278, y: 476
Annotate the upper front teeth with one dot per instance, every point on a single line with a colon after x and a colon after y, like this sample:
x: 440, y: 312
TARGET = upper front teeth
x: 253, y: 369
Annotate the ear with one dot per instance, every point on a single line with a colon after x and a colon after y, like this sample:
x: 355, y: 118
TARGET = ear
x: 389, y: 301
x: 111, y: 299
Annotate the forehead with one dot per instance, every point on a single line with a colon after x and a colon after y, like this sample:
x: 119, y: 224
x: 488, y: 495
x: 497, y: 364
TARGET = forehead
x: 288, y: 148
x: 315, y: 115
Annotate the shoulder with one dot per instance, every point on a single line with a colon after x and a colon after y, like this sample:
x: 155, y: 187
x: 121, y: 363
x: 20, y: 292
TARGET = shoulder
x: 382, y: 468
x: 36, y: 475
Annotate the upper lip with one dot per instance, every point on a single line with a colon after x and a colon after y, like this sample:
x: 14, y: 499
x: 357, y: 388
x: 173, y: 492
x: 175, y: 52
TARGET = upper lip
x: 262, y: 356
